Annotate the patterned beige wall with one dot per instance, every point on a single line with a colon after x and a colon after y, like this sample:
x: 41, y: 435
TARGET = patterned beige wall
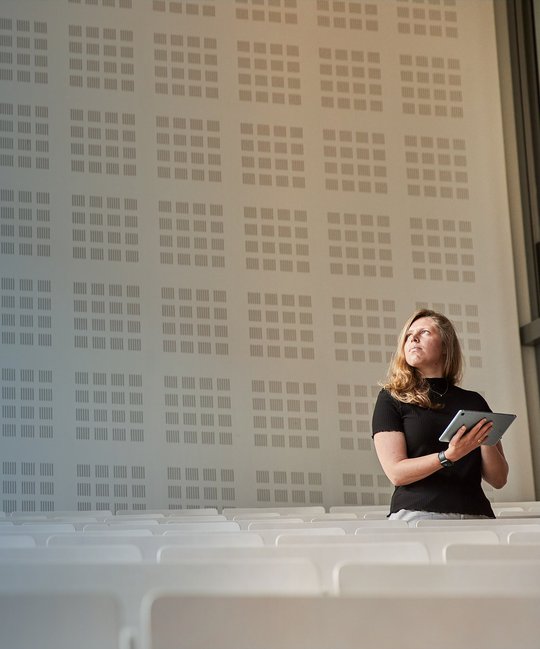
x: 215, y: 215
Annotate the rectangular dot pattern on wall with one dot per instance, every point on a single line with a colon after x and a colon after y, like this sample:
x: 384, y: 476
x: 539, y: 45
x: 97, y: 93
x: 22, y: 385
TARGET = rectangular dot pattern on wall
x: 360, y: 245
x: 24, y: 51
x: 109, y: 407
x: 355, y: 161
x: 191, y: 234
x: 350, y: 79
x: 101, y: 58
x: 25, y: 223
x: 27, y: 398
x: 24, y: 134
x: 105, y: 229
x: 285, y: 415
x: 198, y: 411
x: 276, y: 239
x: 214, y: 217
x: 102, y: 142
x: 26, y: 312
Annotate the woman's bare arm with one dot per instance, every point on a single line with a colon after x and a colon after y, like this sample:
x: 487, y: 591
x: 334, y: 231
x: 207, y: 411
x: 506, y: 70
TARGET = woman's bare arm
x: 494, y: 465
x: 401, y: 470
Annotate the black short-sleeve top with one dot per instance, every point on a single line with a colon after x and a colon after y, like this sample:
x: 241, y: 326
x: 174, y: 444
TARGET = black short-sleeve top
x: 457, y: 489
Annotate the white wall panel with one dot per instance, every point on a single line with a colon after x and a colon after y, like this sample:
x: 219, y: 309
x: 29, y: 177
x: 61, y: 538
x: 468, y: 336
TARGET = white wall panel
x: 215, y: 215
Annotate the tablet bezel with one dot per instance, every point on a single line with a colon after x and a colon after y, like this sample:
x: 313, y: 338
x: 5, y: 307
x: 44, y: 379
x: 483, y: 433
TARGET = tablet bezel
x: 501, y: 422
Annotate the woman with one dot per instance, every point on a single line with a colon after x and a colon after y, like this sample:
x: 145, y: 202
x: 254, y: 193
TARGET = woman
x: 420, y: 397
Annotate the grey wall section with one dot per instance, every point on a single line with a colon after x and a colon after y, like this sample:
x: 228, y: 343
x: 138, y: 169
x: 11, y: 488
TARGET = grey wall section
x: 215, y: 216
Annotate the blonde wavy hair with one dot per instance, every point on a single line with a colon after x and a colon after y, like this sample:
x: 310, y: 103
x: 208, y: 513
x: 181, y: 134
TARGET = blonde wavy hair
x: 405, y: 382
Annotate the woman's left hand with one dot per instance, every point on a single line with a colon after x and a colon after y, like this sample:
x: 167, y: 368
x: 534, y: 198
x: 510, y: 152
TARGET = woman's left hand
x: 465, y: 441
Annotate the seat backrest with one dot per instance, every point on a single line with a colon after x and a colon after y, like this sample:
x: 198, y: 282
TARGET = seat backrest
x: 265, y: 575
x: 503, y: 552
x: 434, y: 540
x: 74, y: 554
x: 325, y: 557
x: 60, y: 621
x: 271, y: 536
x: 17, y: 541
x: 384, y: 622
x: 518, y: 536
x: 302, y: 510
x: 460, y: 579
x: 149, y: 546
x: 502, y: 527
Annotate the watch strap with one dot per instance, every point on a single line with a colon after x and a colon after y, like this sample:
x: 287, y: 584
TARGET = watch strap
x: 445, y: 462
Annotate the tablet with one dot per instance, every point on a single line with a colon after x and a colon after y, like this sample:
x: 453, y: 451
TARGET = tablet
x: 469, y: 418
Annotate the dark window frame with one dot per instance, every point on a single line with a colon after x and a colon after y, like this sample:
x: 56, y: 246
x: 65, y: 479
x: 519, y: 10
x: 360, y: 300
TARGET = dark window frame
x: 523, y: 17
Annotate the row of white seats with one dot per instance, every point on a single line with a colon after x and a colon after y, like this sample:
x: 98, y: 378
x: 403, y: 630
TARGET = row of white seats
x: 432, y: 550
x: 428, y: 544
x: 218, y: 523
x: 279, y: 592
x: 307, y: 512
x: 286, y: 525
x: 270, y: 604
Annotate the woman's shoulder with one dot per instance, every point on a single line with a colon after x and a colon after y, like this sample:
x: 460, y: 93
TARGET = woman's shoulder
x: 466, y: 391
x: 387, y: 400
x: 385, y: 395
x: 471, y: 399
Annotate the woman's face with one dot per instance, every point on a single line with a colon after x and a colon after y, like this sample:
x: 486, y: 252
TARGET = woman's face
x: 423, y: 348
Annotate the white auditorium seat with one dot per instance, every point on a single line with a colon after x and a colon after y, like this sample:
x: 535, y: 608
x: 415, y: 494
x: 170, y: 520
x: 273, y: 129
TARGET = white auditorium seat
x: 74, y: 554
x: 475, y: 522
x: 171, y: 620
x: 149, y: 546
x: 48, y: 620
x: 129, y: 584
x: 45, y: 527
x: 125, y: 525
x: 381, y: 515
x: 156, y: 527
x: 64, y: 514
x: 199, y: 526
x: 347, y: 525
x: 524, y: 536
x: 325, y: 556
x: 459, y: 579
x: 435, y: 539
x: 127, y: 516
x: 245, y: 521
x: 306, y: 510
x: 39, y: 538
x: 335, y: 516
x: 501, y: 527
x: 196, y: 511
x: 241, y: 538
x: 458, y: 551
x: 253, y: 575
x: 279, y: 524
x: 510, y: 514
x: 526, y: 505
x: 357, y: 508
x: 241, y: 518
x: 271, y: 536
x: 17, y: 541
x: 382, y: 524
